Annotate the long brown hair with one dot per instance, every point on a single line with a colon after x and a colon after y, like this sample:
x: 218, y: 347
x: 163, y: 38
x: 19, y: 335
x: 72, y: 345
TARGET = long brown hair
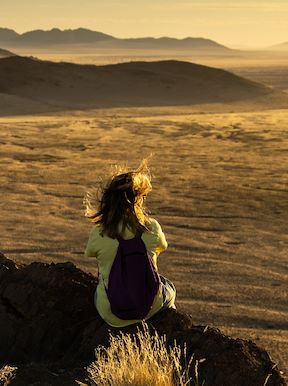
x: 121, y: 202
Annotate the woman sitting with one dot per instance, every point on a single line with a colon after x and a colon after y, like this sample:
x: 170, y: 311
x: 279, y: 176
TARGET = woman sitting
x: 121, y: 216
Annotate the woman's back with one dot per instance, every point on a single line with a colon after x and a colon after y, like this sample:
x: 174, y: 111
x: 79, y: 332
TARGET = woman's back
x: 104, y: 249
x: 120, y: 215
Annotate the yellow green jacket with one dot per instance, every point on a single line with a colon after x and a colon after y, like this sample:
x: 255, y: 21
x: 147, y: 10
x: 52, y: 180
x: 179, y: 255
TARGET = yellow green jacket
x: 104, y: 249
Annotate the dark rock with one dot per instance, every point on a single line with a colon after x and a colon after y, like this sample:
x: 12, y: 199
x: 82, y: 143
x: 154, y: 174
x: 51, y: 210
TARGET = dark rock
x: 6, y: 266
x: 49, y: 329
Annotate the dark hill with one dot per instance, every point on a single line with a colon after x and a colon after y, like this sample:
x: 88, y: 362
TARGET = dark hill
x: 161, y: 83
x: 5, y: 53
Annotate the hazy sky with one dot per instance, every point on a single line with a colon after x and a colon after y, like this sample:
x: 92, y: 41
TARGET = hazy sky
x: 231, y: 22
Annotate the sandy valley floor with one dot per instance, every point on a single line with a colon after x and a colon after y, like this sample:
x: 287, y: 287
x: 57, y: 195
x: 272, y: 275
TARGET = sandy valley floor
x: 220, y: 193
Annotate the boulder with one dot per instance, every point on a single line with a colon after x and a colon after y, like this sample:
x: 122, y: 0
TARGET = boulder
x: 49, y: 329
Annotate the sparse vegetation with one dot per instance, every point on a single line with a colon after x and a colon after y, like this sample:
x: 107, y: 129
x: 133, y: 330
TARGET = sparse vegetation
x: 142, y: 359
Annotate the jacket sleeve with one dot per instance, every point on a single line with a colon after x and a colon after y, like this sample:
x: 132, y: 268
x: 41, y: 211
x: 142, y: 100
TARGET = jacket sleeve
x: 161, y: 239
x: 91, y: 246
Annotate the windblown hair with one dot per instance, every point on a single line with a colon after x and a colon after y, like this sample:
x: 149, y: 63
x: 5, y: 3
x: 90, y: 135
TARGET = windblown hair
x: 121, y: 202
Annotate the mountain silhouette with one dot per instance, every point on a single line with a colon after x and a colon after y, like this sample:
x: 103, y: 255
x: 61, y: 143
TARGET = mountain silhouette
x: 80, y: 35
x: 8, y: 35
x: 85, y: 36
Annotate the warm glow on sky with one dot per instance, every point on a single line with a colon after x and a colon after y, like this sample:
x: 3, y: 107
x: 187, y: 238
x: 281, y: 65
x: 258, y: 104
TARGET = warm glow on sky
x: 235, y: 23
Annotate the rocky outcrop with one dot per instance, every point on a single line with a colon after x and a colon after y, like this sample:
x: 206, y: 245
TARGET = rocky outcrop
x: 49, y: 329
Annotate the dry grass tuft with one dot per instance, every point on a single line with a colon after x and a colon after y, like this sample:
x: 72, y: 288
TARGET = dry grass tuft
x: 139, y: 360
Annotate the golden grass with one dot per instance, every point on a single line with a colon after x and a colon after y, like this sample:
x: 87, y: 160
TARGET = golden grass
x: 140, y: 360
x: 143, y: 359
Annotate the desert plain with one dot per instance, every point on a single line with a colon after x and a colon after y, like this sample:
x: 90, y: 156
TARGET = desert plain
x: 220, y: 192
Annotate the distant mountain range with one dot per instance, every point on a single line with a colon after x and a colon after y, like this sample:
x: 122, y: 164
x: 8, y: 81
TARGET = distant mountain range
x: 39, y: 38
x: 54, y: 36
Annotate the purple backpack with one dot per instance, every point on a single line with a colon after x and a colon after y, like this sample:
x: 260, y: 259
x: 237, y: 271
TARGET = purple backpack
x: 133, y: 280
